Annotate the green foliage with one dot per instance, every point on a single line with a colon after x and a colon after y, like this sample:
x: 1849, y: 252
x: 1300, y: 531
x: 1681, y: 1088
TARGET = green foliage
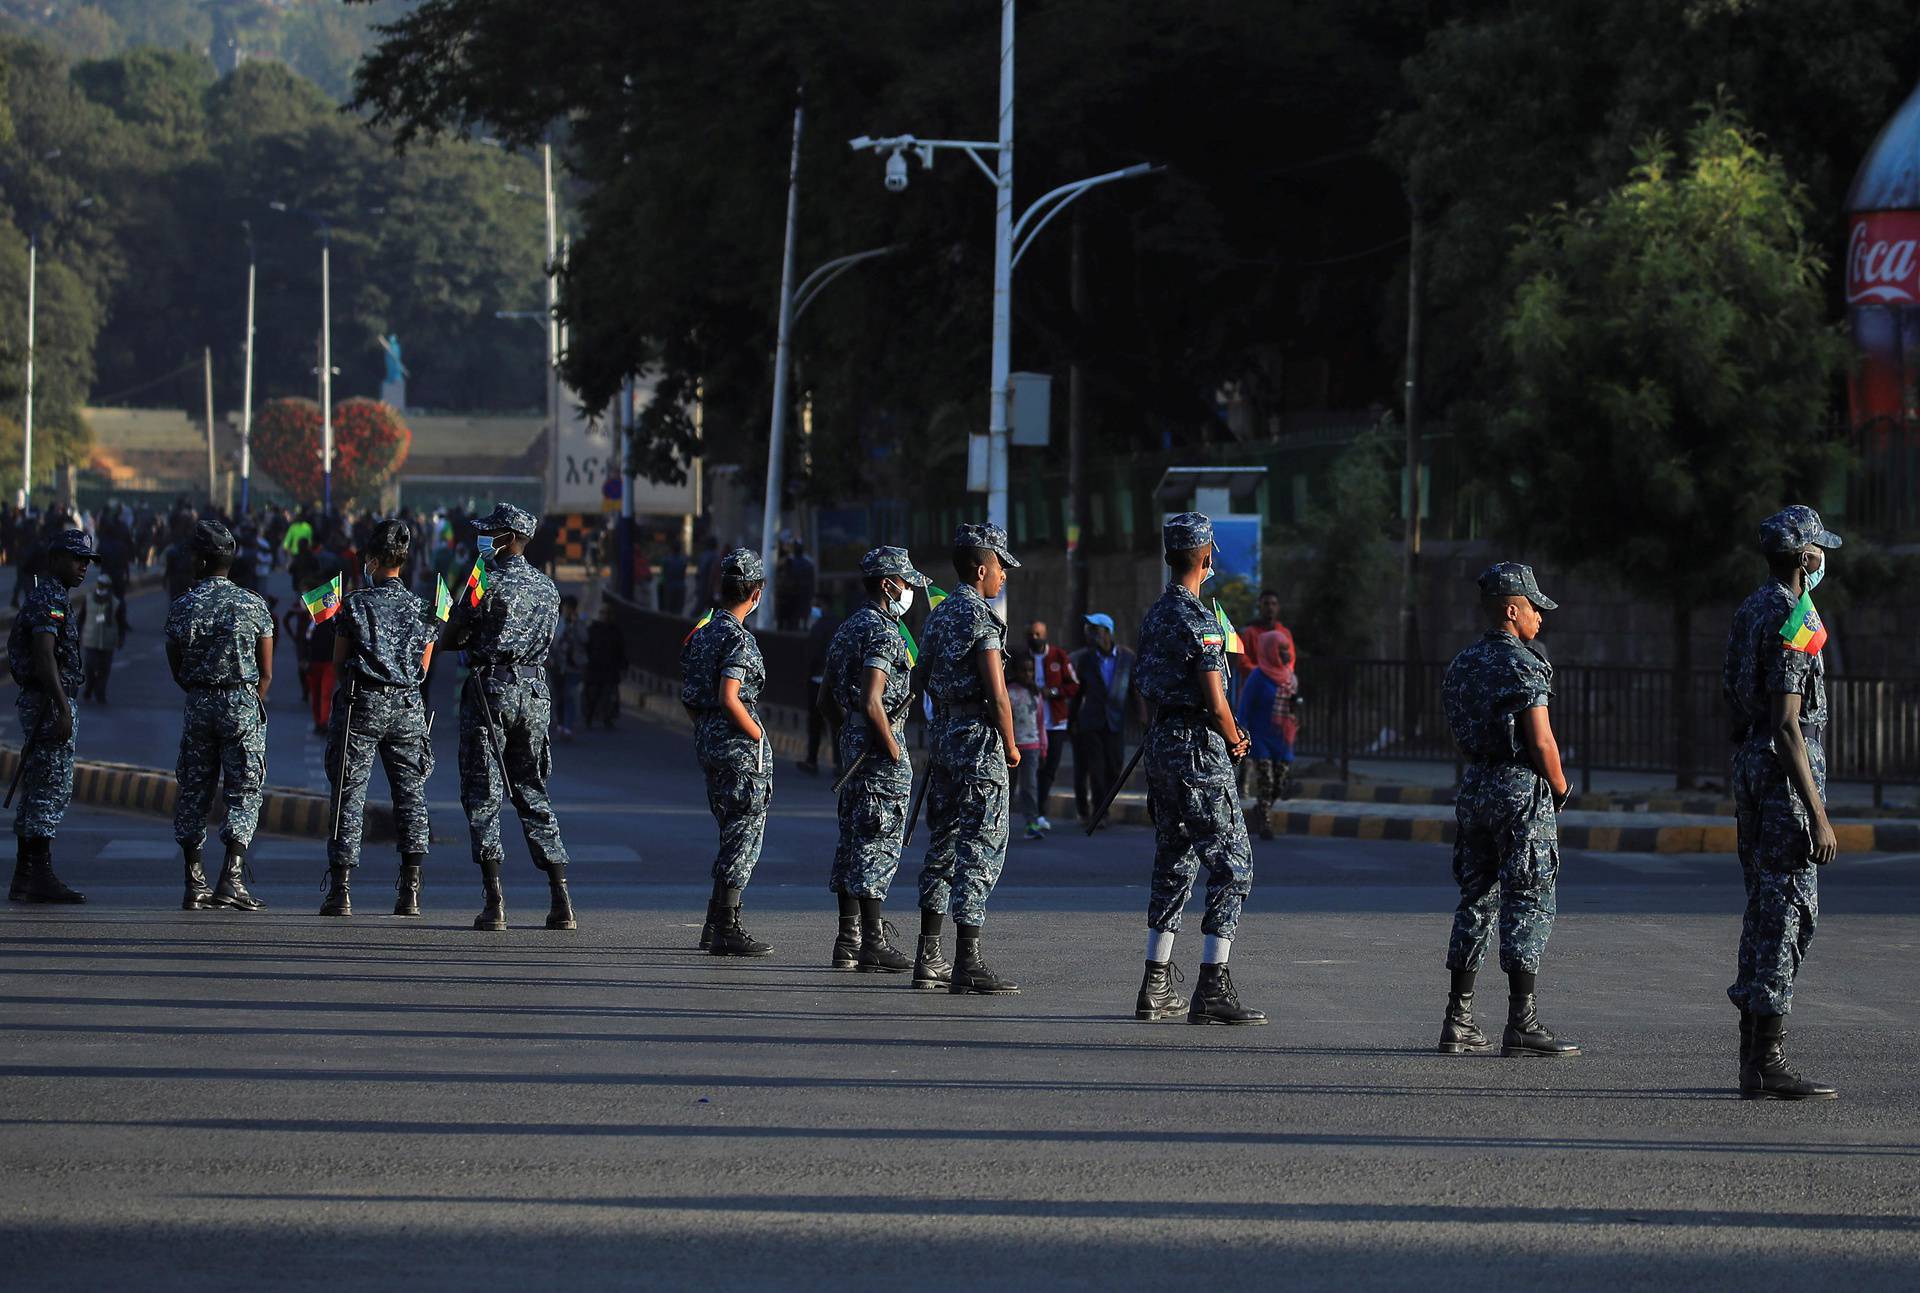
x: 1663, y: 368
x: 1342, y: 563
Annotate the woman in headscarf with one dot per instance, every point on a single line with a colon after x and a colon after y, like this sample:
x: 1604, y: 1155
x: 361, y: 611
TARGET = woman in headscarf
x: 1265, y: 713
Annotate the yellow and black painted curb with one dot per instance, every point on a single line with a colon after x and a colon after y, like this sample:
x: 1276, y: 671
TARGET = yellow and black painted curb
x: 283, y: 810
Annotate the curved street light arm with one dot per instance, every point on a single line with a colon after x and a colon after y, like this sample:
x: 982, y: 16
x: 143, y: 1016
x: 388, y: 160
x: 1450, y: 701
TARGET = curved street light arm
x: 1061, y: 198
x: 822, y: 278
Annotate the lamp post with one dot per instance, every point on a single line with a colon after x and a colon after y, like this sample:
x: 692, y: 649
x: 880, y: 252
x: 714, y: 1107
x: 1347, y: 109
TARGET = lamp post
x: 33, y: 275
x: 552, y: 315
x: 326, y: 346
x: 1011, y: 238
x: 777, y: 431
x: 246, y: 383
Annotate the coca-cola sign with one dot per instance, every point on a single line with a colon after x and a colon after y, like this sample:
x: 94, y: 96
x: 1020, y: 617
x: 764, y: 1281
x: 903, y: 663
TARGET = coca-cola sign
x: 1883, y: 259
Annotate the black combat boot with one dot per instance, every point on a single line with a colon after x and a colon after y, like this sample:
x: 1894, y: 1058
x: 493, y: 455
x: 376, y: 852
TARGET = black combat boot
x: 1768, y: 1076
x: 198, y: 896
x: 338, y: 902
x: 971, y: 973
x: 560, y: 913
x: 878, y: 955
x: 1157, y: 999
x: 1746, y: 1044
x: 406, y: 889
x: 232, y: 892
x: 931, y: 969
x: 22, y: 870
x: 1216, y: 1002
x: 494, y: 915
x: 729, y: 938
x: 846, y: 943
x: 42, y: 884
x: 1525, y: 1034
x: 1459, y: 1035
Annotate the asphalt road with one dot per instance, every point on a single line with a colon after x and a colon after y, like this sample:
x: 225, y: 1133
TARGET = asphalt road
x: 213, y: 1101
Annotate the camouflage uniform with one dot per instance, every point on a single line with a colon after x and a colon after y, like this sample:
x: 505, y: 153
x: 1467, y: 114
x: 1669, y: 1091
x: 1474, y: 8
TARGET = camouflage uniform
x: 46, y: 783
x: 967, y: 783
x: 387, y: 630
x: 739, y: 770
x: 506, y: 638
x: 873, y: 803
x: 1191, y: 792
x: 1773, y: 824
x: 1506, y: 849
x: 216, y: 627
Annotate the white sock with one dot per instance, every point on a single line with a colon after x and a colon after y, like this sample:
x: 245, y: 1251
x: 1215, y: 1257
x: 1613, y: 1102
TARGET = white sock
x: 1216, y: 950
x: 1159, y: 945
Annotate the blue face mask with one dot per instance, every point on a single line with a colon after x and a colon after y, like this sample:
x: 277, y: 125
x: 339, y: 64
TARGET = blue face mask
x: 1815, y: 576
x: 483, y: 544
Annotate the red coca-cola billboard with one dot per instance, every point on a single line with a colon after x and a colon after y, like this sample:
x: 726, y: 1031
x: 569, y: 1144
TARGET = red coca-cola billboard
x: 1883, y: 277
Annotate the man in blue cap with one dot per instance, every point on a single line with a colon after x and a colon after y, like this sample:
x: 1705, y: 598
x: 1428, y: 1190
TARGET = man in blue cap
x: 867, y: 688
x: 1098, y: 716
x: 1776, y: 689
x: 1190, y: 753
x: 722, y: 676
x: 43, y: 651
x: 503, y: 618
x: 973, y: 749
x: 1506, y: 848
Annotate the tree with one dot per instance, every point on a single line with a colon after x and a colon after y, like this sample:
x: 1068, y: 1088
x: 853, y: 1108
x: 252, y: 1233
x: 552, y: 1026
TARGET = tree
x: 1340, y: 596
x: 370, y: 442
x: 1666, y: 361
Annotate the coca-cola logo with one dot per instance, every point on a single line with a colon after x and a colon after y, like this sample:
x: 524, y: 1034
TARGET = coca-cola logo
x: 1883, y: 259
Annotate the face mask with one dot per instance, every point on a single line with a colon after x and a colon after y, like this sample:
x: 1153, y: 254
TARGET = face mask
x: 1815, y: 576
x: 483, y: 544
x: 1037, y: 645
x: 899, y: 606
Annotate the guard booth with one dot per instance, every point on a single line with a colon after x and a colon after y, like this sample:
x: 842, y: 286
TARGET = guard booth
x: 1231, y: 496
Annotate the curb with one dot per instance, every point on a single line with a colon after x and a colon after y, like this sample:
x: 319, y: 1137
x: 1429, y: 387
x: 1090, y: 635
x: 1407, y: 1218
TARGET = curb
x: 283, y: 810
x: 653, y: 698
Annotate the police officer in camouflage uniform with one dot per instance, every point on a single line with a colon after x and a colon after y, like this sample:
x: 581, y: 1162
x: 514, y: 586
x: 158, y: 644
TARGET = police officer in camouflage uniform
x: 722, y: 677
x: 382, y: 647
x: 1506, y: 848
x: 973, y: 749
x: 1191, y: 749
x: 220, y: 649
x: 43, y: 651
x: 505, y: 709
x: 867, y: 689
x: 1776, y: 689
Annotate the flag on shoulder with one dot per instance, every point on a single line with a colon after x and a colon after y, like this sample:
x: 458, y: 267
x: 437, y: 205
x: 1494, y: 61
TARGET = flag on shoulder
x: 323, y: 603
x: 935, y: 595
x: 442, y: 600
x: 1803, y: 630
x: 477, y: 582
x: 697, y: 626
x: 913, y: 648
x: 1229, y: 636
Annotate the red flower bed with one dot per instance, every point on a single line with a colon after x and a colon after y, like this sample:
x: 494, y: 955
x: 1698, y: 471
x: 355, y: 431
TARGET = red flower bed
x: 369, y: 444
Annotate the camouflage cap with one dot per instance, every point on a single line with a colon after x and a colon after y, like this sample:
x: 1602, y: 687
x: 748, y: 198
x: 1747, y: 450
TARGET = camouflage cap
x: 74, y: 542
x: 742, y: 563
x: 1186, y: 531
x: 212, y: 539
x: 1794, y: 528
x: 505, y: 516
x: 891, y: 561
x: 985, y: 534
x: 1511, y: 579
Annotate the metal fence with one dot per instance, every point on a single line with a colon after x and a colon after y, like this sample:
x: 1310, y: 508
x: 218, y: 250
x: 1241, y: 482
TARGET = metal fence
x: 1607, y: 719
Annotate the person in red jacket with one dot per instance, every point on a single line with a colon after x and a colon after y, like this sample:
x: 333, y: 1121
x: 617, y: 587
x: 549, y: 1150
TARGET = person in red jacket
x: 1053, y: 676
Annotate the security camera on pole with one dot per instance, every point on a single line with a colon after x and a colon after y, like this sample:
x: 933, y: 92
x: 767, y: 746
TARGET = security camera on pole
x: 1011, y: 239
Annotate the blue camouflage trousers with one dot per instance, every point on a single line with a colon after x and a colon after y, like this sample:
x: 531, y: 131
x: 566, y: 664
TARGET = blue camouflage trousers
x: 46, y: 783
x: 1506, y: 860
x: 223, y: 736
x: 1195, y: 805
x: 873, y: 815
x: 739, y: 773
x: 966, y: 843
x: 1775, y: 838
x: 390, y: 724
x: 522, y: 709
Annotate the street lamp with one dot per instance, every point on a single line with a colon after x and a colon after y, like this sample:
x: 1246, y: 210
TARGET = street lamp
x: 326, y: 345
x: 553, y: 313
x: 1005, y: 234
x: 246, y: 395
x: 33, y: 273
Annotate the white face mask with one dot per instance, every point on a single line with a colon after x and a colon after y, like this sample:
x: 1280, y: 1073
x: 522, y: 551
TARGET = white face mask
x: 901, y: 604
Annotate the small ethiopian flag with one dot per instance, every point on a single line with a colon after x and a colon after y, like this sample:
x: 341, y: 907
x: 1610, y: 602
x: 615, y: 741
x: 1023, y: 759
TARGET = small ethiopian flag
x: 1231, y: 638
x: 323, y: 603
x: 698, y: 624
x: 934, y: 596
x: 1803, y: 630
x: 477, y: 583
x: 442, y: 600
x: 913, y: 648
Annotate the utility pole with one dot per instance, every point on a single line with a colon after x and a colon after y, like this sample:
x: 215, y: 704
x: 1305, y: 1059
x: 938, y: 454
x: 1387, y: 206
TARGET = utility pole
x: 1410, y: 600
x: 553, y: 328
x: 1079, y: 496
x: 777, y: 430
x: 206, y: 364
x: 1002, y: 286
x: 246, y: 387
x: 26, y: 466
x: 326, y: 368
x: 623, y: 444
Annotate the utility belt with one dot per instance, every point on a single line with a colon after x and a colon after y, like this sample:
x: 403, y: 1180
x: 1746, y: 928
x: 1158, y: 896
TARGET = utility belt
x: 504, y: 671
x: 1814, y: 733
x: 235, y: 685
x: 961, y: 709
x: 1498, y: 761
x: 1179, y: 716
